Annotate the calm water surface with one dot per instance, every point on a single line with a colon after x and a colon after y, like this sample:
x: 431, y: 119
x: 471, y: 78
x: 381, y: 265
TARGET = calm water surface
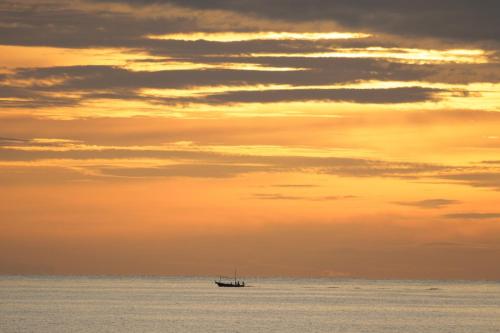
x: 147, y: 304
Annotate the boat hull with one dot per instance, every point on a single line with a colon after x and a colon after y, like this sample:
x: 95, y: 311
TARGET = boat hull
x: 229, y: 284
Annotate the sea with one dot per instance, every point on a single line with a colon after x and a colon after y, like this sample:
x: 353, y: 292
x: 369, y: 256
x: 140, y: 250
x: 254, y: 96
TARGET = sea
x: 195, y: 304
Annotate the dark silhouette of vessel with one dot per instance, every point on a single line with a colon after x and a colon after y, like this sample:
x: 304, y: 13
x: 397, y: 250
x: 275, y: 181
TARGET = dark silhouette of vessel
x: 226, y: 282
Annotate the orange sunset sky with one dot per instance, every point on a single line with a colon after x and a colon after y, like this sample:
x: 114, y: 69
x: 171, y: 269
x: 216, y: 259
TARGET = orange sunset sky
x: 284, y: 138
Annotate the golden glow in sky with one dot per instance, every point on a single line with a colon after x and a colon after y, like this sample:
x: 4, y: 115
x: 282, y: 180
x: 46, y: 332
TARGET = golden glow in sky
x: 401, y: 54
x: 264, y: 35
x: 313, y: 146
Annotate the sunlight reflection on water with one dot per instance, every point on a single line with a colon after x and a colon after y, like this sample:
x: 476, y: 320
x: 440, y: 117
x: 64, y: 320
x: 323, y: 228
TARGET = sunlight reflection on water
x: 185, y: 304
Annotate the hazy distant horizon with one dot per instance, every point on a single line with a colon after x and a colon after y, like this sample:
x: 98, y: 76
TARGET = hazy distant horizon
x: 250, y: 279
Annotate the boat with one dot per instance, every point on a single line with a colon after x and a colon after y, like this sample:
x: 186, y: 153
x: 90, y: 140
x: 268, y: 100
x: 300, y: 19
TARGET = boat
x: 227, y: 282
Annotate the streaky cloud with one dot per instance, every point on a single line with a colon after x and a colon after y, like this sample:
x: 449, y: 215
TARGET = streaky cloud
x: 445, y: 19
x: 428, y: 203
x: 473, y: 216
x: 489, y: 178
x: 380, y: 96
x: 280, y: 196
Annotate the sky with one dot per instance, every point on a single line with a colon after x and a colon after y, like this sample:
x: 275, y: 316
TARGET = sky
x: 282, y: 138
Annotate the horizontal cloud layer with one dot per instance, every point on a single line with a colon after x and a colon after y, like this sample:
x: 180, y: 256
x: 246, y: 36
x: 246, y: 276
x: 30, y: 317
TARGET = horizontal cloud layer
x: 219, y: 162
x: 446, y: 19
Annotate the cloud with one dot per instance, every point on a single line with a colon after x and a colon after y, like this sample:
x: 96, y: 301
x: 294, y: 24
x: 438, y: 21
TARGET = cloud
x: 373, y: 68
x: 279, y: 196
x: 108, y: 82
x: 112, y: 77
x: 276, y: 196
x: 446, y: 19
x: 171, y: 161
x: 380, y: 96
x: 59, y: 23
x: 215, y: 165
x: 428, y: 203
x: 104, y: 25
x: 11, y: 141
x: 202, y: 170
x: 93, y: 24
x: 36, y: 175
x: 295, y: 185
x: 281, y: 131
x: 473, y: 216
x: 477, y: 179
